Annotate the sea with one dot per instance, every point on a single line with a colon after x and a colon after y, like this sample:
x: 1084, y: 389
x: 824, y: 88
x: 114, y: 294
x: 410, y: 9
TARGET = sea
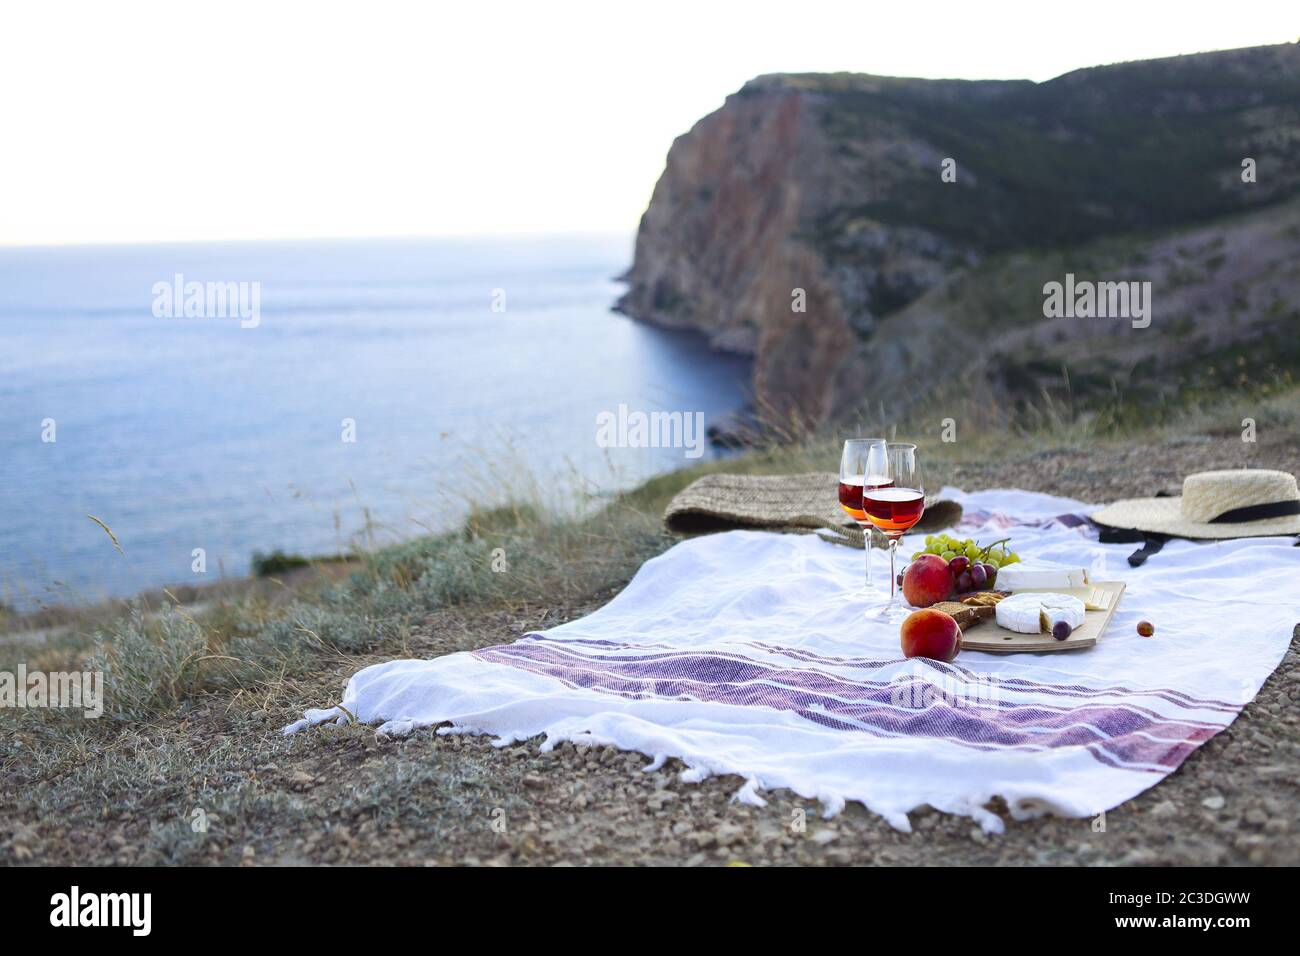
x: 168, y: 410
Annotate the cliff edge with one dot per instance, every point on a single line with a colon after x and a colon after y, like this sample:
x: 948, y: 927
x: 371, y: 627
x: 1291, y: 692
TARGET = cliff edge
x: 828, y: 194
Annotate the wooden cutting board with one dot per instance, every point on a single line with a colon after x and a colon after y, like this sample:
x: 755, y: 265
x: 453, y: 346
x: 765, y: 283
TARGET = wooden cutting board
x: 988, y: 637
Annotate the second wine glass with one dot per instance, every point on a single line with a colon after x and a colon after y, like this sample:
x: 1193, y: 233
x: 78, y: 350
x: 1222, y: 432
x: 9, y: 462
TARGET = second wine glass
x: 894, y: 508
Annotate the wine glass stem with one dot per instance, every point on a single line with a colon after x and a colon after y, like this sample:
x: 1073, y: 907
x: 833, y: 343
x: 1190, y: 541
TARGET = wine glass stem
x: 893, y: 572
x: 866, y: 549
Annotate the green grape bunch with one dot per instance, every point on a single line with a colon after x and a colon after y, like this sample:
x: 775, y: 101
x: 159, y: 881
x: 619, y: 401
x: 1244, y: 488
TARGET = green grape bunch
x: 973, y: 566
x: 948, y: 547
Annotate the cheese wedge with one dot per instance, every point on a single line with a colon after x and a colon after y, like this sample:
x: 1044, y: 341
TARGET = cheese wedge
x: 1094, y: 598
x: 1036, y: 613
x: 1040, y: 574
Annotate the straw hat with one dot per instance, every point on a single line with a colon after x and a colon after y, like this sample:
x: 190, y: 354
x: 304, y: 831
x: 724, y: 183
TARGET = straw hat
x: 1215, y: 504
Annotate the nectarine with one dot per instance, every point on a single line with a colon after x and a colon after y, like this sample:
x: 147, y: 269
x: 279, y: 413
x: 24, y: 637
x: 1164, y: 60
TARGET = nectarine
x: 927, y: 581
x: 931, y: 634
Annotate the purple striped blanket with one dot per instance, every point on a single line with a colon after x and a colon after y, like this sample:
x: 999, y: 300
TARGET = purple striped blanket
x: 743, y: 653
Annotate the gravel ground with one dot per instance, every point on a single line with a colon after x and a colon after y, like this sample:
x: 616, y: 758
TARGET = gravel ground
x: 341, y: 795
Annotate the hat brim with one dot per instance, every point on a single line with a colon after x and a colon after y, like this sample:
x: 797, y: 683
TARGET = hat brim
x: 1164, y: 516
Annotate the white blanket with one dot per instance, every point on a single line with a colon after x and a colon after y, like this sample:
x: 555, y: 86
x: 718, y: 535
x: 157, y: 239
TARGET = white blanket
x: 742, y: 653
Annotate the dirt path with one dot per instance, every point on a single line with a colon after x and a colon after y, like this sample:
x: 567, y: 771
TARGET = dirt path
x: 343, y: 796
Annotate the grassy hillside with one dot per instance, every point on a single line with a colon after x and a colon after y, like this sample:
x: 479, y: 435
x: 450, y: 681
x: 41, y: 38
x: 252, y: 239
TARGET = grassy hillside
x: 160, y: 652
x: 1093, y: 153
x: 1224, y: 322
x: 196, y: 694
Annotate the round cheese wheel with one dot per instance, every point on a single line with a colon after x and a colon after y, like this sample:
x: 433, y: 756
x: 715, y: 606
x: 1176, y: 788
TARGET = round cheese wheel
x: 1036, y: 613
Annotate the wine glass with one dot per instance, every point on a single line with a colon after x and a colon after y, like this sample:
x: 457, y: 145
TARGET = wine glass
x: 894, y: 508
x: 855, y: 476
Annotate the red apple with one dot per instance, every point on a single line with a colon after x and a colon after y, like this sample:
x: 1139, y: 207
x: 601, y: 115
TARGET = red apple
x: 931, y: 634
x: 927, y: 581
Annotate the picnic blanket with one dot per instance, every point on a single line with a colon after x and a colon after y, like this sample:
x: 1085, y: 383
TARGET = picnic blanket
x: 743, y: 653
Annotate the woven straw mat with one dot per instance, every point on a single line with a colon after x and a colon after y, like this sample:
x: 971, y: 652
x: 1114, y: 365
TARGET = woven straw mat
x: 795, y: 503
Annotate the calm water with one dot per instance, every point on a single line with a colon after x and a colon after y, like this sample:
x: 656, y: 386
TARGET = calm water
x: 184, y: 433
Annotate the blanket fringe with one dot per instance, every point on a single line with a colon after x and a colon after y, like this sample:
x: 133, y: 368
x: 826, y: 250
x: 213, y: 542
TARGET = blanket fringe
x: 658, y: 761
x: 749, y: 795
x: 401, y: 727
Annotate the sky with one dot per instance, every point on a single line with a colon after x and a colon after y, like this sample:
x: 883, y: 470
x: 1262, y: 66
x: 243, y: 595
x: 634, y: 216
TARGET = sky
x: 132, y: 122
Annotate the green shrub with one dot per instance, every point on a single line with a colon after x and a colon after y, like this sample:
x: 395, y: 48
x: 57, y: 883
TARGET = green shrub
x: 277, y: 562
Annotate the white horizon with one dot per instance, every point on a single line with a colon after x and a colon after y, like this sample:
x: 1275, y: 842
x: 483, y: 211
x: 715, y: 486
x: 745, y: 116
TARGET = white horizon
x: 247, y: 122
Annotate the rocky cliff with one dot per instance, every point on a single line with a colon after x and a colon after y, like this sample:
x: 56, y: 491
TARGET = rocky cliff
x: 809, y: 222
